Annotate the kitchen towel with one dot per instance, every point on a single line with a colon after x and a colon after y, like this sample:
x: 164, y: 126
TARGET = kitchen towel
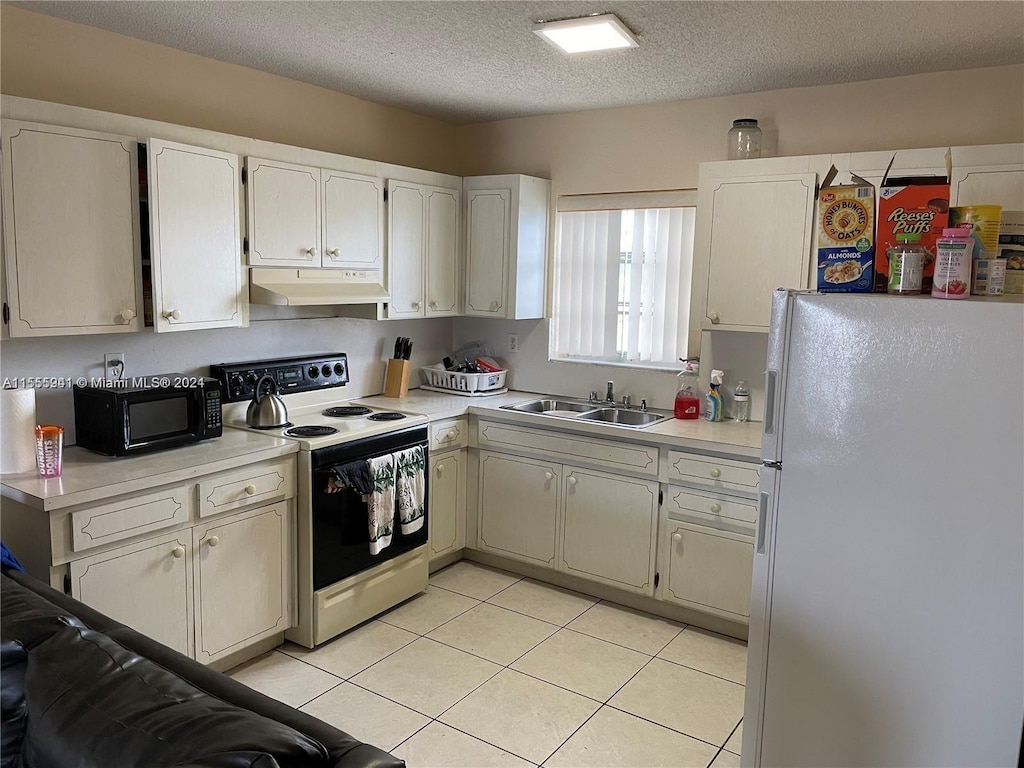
x: 355, y: 475
x: 17, y: 430
x: 411, y: 485
x: 381, y: 502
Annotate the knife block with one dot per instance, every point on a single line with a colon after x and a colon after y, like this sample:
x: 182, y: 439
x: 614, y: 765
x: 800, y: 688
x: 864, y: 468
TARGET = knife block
x: 396, y: 380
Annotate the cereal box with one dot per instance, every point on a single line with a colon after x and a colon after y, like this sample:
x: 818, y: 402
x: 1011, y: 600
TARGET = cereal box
x: 1011, y: 248
x: 846, y: 228
x: 918, y: 205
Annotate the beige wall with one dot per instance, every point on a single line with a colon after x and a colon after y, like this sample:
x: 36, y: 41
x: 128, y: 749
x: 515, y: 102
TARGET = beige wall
x: 659, y: 146
x: 54, y: 60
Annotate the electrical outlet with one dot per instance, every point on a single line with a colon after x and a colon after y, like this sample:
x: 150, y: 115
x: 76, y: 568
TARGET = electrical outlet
x: 113, y: 365
x: 513, y: 343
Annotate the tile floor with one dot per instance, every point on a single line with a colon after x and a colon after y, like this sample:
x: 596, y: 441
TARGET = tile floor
x: 488, y: 669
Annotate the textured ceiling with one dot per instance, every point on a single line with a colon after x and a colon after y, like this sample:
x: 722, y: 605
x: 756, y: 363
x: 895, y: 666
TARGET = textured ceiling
x: 467, y: 61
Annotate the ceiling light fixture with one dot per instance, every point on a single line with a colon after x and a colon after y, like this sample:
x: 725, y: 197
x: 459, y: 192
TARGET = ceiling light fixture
x: 591, y: 33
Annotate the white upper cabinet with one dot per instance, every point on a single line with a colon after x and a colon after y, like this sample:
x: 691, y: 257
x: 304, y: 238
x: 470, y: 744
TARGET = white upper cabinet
x: 423, y: 250
x: 506, y: 245
x: 71, y: 231
x: 304, y: 217
x: 353, y: 220
x: 988, y: 175
x: 195, y: 238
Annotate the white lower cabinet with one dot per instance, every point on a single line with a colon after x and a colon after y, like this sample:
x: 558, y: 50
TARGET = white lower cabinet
x: 609, y: 527
x: 146, y: 585
x: 707, y: 569
x: 519, y: 507
x: 242, y: 584
x: 446, y: 508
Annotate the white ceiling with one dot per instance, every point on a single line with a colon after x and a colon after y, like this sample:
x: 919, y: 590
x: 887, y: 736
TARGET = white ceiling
x: 468, y: 61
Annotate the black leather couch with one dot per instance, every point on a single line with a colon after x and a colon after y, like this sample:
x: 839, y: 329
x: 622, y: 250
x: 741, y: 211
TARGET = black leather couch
x: 79, y: 690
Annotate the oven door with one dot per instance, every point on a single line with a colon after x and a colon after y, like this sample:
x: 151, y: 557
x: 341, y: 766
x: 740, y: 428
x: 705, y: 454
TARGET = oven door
x: 340, y: 521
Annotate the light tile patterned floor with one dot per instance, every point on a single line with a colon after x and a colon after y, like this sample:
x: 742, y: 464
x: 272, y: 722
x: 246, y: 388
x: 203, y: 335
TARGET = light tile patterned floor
x: 489, y: 669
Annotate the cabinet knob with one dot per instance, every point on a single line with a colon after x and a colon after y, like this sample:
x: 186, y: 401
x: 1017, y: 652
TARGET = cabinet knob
x: 214, y: 541
x: 677, y: 537
x: 451, y: 434
x: 415, y: 305
x: 251, y: 490
x: 127, y: 315
x: 713, y: 317
x: 716, y: 473
x: 332, y: 252
x: 178, y: 552
x: 570, y: 480
x: 716, y: 507
x: 549, y: 475
x: 494, y: 306
x: 171, y: 314
x: 433, y: 305
x: 311, y: 251
x: 440, y: 469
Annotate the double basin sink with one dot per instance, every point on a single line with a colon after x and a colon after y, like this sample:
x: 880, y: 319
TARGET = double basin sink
x: 600, y: 413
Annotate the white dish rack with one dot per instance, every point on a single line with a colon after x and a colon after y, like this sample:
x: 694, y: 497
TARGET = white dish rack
x: 437, y: 378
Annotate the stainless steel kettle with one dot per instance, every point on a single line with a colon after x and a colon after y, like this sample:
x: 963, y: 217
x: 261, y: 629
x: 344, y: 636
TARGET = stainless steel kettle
x: 267, y: 410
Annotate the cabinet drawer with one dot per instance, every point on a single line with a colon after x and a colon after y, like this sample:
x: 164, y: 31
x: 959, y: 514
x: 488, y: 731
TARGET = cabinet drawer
x: 709, y: 472
x: 129, y: 517
x: 706, y: 506
x: 448, y: 435
x: 257, y: 484
x: 608, y: 454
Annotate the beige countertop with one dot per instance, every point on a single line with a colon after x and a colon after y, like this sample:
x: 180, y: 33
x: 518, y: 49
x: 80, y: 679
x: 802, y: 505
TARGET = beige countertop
x: 739, y: 439
x: 88, y: 477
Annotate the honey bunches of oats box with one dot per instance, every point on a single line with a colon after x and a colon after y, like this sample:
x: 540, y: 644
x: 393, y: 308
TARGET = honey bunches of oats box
x: 846, y: 228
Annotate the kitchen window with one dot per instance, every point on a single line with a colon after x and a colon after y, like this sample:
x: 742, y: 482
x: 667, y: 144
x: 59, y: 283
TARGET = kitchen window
x: 623, y: 267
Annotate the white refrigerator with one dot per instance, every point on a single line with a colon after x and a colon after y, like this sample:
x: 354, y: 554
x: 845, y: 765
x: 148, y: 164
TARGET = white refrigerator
x: 887, y: 616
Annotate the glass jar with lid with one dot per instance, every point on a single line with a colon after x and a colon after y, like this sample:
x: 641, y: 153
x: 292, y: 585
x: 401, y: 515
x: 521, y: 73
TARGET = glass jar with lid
x: 906, y: 264
x: 744, y: 139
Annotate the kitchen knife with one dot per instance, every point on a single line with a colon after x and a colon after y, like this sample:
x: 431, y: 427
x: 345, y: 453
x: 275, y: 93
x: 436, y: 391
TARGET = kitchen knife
x: 398, y: 348
x: 407, y: 351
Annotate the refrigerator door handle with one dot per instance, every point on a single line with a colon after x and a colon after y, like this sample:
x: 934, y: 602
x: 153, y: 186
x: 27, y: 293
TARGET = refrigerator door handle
x: 762, y: 514
x: 769, y: 401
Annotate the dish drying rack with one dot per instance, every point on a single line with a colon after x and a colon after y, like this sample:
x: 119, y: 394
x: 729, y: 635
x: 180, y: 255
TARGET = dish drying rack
x: 437, y: 379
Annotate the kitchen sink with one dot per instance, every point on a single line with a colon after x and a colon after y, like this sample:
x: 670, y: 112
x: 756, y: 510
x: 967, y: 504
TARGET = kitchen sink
x: 593, y: 412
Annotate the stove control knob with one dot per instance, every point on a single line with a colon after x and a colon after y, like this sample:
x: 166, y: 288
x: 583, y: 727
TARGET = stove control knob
x: 313, y: 372
x: 236, y: 384
x: 339, y: 369
x: 326, y: 370
x: 251, y: 378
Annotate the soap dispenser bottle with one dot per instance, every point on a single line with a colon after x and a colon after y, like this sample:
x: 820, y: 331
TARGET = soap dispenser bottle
x: 687, y: 405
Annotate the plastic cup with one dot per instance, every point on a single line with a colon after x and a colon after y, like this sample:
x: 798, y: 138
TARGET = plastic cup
x: 49, y: 449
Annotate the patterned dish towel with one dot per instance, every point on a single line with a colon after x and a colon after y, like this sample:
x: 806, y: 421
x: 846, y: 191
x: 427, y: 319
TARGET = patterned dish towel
x: 411, y: 486
x: 381, y: 503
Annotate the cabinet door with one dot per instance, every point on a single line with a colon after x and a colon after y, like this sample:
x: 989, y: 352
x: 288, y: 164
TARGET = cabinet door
x: 283, y: 214
x: 405, y: 249
x: 195, y: 238
x: 243, y: 580
x: 488, y: 214
x: 519, y: 501
x: 71, y: 231
x: 708, y: 569
x: 353, y: 220
x: 989, y: 185
x: 446, y: 511
x: 442, y: 252
x: 609, y: 529
x: 758, y: 234
x: 146, y: 585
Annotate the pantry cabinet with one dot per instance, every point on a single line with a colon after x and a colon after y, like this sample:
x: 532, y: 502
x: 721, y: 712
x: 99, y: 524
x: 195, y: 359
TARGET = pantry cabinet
x: 71, y: 231
x: 305, y: 217
x: 195, y: 237
x: 423, y: 250
x: 506, y: 245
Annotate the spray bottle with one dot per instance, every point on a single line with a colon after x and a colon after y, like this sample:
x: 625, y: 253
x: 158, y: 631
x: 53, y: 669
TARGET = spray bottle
x: 713, y: 399
x: 687, y: 404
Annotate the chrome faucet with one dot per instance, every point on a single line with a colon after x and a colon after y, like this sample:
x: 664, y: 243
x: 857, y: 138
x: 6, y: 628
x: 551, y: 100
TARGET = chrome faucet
x: 593, y: 396
x: 627, y: 401
x: 643, y: 405
x: 609, y: 394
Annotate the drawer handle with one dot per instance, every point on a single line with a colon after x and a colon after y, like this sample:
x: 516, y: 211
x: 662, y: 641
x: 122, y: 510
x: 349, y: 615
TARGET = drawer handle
x: 716, y: 507
x: 716, y: 473
x: 451, y: 434
x: 677, y: 537
x: 214, y: 541
x: 549, y: 475
x: 440, y: 469
x: 251, y: 490
x: 178, y: 552
x: 570, y: 480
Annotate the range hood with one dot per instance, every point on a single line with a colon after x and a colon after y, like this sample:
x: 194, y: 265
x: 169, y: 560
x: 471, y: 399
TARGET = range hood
x: 308, y: 287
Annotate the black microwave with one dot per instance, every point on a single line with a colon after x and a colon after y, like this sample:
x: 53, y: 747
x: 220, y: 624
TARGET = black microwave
x: 158, y: 412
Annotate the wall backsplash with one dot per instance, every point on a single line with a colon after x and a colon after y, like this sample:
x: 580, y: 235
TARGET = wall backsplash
x: 368, y: 344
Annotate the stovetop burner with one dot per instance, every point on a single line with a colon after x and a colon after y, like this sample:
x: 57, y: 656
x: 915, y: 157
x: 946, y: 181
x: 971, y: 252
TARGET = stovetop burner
x: 347, y: 410
x: 315, y: 430
x: 386, y: 416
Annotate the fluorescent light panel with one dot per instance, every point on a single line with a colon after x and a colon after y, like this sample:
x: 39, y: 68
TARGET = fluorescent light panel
x: 591, y: 33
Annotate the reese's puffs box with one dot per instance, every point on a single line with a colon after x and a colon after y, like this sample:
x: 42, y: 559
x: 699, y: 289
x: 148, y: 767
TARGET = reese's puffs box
x: 846, y: 229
